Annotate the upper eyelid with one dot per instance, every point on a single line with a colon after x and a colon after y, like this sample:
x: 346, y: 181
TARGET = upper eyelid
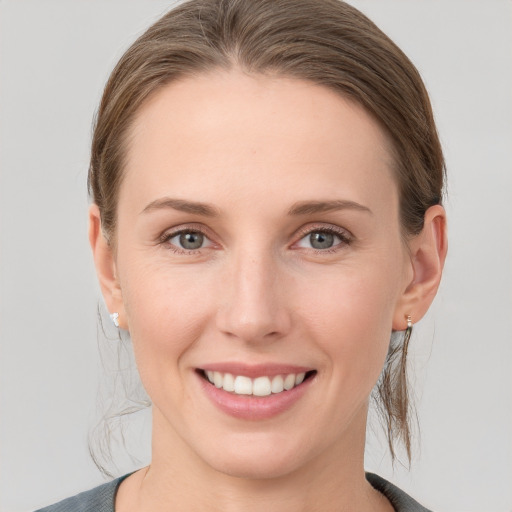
x: 185, y: 228
x: 306, y: 230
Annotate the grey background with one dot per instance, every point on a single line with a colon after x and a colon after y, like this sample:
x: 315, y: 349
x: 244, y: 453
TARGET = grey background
x: 54, y: 59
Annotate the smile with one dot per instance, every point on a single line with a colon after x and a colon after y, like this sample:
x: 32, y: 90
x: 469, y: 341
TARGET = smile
x: 254, y: 392
x: 260, y: 386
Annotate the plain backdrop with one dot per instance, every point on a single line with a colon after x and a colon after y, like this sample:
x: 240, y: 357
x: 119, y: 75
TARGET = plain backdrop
x: 54, y: 59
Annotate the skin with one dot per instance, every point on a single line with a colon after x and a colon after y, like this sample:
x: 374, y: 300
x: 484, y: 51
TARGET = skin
x: 252, y: 148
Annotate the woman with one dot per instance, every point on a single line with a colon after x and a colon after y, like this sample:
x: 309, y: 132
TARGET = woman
x: 267, y: 182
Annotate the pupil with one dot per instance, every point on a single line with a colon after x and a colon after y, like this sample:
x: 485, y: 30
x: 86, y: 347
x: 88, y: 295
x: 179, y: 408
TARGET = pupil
x: 191, y: 240
x: 321, y: 240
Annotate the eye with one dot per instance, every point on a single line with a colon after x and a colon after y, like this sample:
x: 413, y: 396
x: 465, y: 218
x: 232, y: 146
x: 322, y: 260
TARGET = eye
x: 188, y: 240
x: 323, y: 239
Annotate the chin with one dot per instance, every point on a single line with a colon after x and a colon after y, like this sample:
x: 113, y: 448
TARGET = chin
x: 255, y: 469
x: 256, y: 459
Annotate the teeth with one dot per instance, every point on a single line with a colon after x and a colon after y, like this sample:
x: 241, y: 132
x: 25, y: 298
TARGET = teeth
x: 260, y: 386
x: 289, y: 381
x: 277, y: 384
x: 217, y: 379
x: 229, y: 382
x: 243, y: 385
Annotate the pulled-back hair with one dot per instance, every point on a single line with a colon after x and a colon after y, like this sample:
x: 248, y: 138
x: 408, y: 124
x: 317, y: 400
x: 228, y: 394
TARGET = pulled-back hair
x: 327, y: 42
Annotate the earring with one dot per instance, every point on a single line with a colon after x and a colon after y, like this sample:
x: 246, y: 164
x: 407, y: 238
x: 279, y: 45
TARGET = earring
x: 409, y: 322
x: 115, y: 318
x: 405, y: 349
x: 408, y: 332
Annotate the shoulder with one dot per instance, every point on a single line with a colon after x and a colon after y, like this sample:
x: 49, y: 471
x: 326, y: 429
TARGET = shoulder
x: 99, y: 499
x: 401, y: 501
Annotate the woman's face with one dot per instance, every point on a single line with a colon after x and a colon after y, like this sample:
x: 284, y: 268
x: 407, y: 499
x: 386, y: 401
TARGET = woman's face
x: 258, y: 240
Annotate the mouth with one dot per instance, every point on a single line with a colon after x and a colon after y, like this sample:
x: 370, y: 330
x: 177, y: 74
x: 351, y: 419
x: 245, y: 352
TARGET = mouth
x: 260, y: 386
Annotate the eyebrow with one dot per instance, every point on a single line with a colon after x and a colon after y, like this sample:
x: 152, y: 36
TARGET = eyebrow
x: 181, y: 205
x: 312, y: 207
x: 208, y: 210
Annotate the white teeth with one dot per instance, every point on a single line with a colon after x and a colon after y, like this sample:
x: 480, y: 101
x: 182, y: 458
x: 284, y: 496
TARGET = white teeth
x: 243, y: 385
x: 277, y: 384
x: 217, y: 379
x: 229, y: 382
x: 289, y: 381
x: 260, y: 386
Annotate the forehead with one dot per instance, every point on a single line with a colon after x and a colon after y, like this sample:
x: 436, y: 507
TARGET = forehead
x: 236, y: 132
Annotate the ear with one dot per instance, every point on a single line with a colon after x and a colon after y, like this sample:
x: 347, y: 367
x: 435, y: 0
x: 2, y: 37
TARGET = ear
x: 427, y: 255
x: 104, y: 260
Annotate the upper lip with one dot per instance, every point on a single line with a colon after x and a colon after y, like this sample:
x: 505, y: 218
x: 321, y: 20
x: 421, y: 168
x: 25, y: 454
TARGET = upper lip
x: 255, y: 370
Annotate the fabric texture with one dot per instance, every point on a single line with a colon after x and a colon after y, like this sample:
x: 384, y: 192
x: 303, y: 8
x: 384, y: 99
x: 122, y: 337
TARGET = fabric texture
x: 101, y: 499
x: 401, y: 501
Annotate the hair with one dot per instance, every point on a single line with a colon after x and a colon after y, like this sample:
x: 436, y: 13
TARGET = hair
x: 327, y: 42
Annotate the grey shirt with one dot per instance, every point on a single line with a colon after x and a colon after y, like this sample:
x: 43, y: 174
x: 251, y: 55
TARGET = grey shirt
x: 101, y: 499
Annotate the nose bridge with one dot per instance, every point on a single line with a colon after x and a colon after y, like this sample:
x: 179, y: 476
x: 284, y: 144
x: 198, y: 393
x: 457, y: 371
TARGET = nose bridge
x: 253, y: 308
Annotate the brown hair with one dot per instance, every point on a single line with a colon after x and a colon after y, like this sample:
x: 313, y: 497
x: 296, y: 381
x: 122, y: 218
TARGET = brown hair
x: 327, y: 42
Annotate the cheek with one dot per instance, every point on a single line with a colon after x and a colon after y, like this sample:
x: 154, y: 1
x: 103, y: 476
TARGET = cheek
x: 166, y: 313
x: 350, y: 316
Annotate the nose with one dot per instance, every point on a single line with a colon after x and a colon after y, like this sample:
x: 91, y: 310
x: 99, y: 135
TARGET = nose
x: 253, y: 305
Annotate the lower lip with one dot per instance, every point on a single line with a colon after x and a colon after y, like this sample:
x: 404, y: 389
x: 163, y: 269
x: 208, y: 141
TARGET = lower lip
x: 250, y: 407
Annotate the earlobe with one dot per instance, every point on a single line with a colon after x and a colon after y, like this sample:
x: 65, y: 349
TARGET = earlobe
x: 427, y: 256
x: 104, y: 262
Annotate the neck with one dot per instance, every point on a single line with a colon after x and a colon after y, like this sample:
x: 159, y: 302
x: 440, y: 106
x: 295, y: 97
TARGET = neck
x: 178, y: 479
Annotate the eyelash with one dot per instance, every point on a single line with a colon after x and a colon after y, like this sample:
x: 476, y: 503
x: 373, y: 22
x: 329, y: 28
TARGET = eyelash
x: 345, y: 239
x: 167, y: 236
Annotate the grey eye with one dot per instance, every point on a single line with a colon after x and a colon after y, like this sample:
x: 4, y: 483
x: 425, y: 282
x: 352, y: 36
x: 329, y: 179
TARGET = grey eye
x: 190, y: 240
x: 321, y: 240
